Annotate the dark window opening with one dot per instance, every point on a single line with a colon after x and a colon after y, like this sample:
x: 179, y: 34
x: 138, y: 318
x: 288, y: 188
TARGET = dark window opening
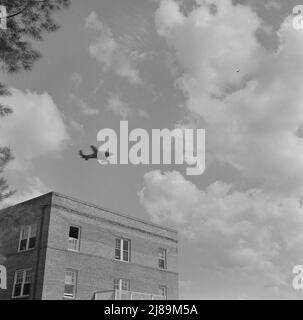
x: 74, y: 232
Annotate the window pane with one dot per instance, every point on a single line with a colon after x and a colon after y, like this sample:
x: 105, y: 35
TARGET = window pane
x: 69, y: 290
x: 162, y: 258
x: 32, y: 243
x: 70, y: 283
x: 162, y: 253
x: 23, y: 244
x: 17, y: 290
x: 24, y: 232
x: 162, y: 264
x: 116, y: 284
x: 73, y: 244
x: 19, y: 277
x: 118, y: 244
x: 33, y: 230
x: 162, y: 291
x: 125, y: 245
x: 125, y: 255
x: 125, y: 285
x: 74, y: 232
x: 70, y: 277
x: 26, y: 289
x: 117, y: 254
x: 28, y: 276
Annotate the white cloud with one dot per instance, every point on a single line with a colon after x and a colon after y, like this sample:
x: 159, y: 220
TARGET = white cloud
x: 76, y: 131
x: 112, y: 54
x: 34, y: 188
x: 35, y: 129
x: 249, y: 100
x: 168, y: 17
x: 253, y: 232
x: 119, y: 107
x: 83, y: 105
x: 122, y: 109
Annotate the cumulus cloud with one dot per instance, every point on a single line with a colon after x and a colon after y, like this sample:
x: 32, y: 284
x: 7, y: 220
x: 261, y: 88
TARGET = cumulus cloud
x: 35, y: 129
x: 76, y: 131
x: 112, y: 54
x: 122, y: 109
x: 252, y: 231
x: 84, y: 107
x: 118, y: 107
x: 249, y: 100
x: 34, y: 188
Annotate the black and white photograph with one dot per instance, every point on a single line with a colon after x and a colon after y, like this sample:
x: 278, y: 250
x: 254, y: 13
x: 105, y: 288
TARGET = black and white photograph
x: 151, y: 150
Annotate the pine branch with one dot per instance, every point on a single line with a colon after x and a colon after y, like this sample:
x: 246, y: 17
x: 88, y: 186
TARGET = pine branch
x: 5, y: 158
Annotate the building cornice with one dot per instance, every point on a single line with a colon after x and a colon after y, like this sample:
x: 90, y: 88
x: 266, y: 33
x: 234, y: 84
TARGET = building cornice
x: 90, y: 216
x: 115, y: 212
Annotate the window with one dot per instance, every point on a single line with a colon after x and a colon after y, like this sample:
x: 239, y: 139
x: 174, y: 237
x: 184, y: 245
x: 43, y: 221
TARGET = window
x: 27, y: 240
x: 163, y: 291
x: 122, y: 250
x: 74, y: 238
x: 162, y: 258
x: 22, y: 283
x: 122, y: 284
x: 70, y: 284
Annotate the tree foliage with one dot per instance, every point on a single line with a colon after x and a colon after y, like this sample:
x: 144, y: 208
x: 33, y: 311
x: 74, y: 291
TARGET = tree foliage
x: 5, y: 157
x: 16, y: 50
x: 29, y: 21
x: 5, y: 152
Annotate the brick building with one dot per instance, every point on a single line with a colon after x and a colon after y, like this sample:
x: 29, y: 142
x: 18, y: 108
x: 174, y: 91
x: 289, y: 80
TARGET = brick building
x: 56, y: 247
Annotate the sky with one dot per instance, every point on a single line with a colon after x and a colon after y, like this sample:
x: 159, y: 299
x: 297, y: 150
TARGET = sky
x: 231, y: 68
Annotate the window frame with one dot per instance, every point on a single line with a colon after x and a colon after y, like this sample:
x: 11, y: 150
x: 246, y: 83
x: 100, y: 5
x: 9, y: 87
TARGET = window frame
x: 162, y: 287
x: 120, y: 284
x: 121, y: 250
x: 23, y: 283
x: 67, y: 295
x: 70, y: 238
x: 29, y: 228
x: 162, y: 258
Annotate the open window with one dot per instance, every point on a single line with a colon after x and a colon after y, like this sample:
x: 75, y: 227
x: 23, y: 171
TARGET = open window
x: 74, y: 238
x: 70, y: 284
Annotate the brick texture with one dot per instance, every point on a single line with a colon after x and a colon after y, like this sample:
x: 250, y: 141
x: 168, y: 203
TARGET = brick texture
x: 94, y: 263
